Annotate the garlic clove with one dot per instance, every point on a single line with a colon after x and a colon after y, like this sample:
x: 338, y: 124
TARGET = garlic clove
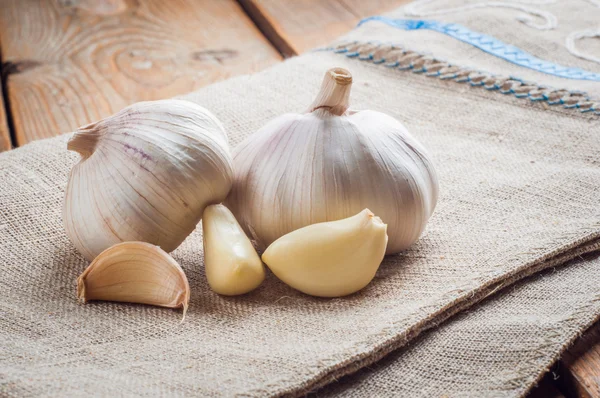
x: 231, y: 263
x: 145, y: 174
x: 330, y: 259
x: 135, y: 272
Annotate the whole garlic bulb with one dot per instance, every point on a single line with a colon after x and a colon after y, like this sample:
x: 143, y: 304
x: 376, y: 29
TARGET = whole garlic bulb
x: 146, y: 174
x: 328, y: 164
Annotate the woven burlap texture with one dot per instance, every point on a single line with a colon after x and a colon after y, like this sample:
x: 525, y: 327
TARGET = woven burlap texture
x: 498, y: 349
x: 518, y: 189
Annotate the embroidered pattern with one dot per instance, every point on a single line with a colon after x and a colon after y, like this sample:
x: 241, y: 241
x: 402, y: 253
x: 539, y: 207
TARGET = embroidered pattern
x: 398, y: 58
x: 574, y: 36
x: 490, y: 45
x: 414, y: 9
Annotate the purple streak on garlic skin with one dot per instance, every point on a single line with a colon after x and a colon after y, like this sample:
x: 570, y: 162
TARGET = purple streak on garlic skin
x: 138, y: 151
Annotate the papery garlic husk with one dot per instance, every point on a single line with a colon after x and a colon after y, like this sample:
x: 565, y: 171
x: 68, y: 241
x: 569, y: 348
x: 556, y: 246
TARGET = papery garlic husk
x: 135, y: 272
x: 146, y: 174
x: 330, y: 259
x: 329, y: 164
x: 231, y: 263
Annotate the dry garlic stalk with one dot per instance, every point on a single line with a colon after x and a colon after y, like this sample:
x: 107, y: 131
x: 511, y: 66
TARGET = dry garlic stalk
x: 328, y: 164
x: 232, y: 265
x: 135, y: 272
x: 330, y: 259
x: 146, y: 174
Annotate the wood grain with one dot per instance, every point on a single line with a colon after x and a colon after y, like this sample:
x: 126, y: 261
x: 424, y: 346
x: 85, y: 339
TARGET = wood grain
x: 580, y: 366
x: 70, y: 62
x: 300, y: 25
x: 4, y: 130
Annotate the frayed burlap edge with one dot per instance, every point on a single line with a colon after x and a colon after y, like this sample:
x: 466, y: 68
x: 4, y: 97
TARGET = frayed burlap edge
x: 555, y: 258
x: 564, y: 348
x: 521, y: 379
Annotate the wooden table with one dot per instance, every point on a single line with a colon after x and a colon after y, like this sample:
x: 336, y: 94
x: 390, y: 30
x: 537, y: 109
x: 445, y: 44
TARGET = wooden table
x: 66, y: 63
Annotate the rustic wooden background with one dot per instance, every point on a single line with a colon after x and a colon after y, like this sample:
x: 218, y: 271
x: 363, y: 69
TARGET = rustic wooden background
x: 66, y: 63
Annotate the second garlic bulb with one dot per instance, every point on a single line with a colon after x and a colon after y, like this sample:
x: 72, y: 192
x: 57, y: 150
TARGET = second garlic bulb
x: 330, y: 163
x: 146, y: 174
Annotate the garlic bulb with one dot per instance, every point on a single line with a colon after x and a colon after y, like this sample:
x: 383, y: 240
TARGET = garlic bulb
x: 146, y: 174
x: 135, y: 272
x: 330, y: 259
x: 329, y: 164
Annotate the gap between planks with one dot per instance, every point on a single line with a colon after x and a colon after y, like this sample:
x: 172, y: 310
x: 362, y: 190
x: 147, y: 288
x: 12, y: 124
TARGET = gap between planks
x: 6, y: 138
x: 579, y: 367
x: 294, y: 27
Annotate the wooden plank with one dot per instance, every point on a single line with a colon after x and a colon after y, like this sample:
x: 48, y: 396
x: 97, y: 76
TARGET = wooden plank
x: 70, y: 62
x: 580, y: 366
x: 546, y: 388
x: 297, y: 26
x: 4, y: 130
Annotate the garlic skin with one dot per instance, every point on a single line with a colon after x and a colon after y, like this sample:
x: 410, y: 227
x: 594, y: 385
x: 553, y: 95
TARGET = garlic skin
x: 146, y: 174
x: 330, y: 259
x: 231, y: 263
x: 329, y: 164
x: 135, y: 272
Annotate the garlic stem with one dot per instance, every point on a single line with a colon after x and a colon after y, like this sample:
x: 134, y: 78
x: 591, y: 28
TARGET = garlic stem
x: 84, y: 140
x: 335, y: 92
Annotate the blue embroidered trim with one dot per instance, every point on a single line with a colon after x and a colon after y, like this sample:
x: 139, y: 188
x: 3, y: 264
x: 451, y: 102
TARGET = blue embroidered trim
x: 395, y: 57
x: 490, y: 45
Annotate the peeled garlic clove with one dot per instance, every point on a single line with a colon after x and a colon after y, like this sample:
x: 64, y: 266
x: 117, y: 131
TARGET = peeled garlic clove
x: 135, y: 272
x: 232, y: 265
x: 328, y: 164
x: 146, y: 174
x: 330, y: 259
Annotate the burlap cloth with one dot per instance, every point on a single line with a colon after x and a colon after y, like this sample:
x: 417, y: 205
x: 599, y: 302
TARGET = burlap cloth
x: 519, y: 193
x: 498, y: 349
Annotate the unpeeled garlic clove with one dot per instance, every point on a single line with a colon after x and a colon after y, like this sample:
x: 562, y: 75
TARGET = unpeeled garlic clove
x: 330, y: 259
x: 231, y: 263
x: 135, y: 272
